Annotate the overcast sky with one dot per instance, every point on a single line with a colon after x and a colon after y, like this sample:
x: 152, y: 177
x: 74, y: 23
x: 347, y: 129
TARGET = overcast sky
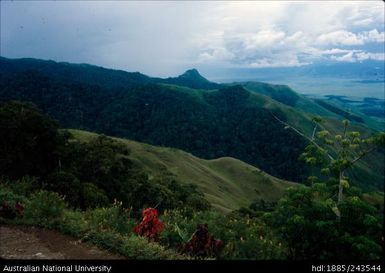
x: 165, y: 38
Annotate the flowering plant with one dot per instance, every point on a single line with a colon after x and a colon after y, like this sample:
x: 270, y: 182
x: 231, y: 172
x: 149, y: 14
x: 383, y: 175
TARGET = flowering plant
x: 150, y: 226
x: 202, y: 243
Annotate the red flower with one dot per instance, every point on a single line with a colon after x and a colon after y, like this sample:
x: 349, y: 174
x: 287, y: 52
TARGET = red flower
x: 150, y: 226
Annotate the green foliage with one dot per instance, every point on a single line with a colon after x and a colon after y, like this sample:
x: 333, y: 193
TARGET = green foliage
x: 159, y: 114
x: 113, y: 218
x: 45, y: 209
x: 132, y: 246
x: 262, y: 205
x: 336, y: 154
x: 7, y: 195
x: 305, y: 219
x: 110, y: 228
x: 89, y: 174
x: 281, y: 93
x: 123, y: 104
x: 92, y: 196
x: 305, y: 223
x: 34, y: 155
x: 24, y: 186
x: 74, y: 223
x: 104, y: 164
x: 29, y: 141
x: 339, y: 111
x: 243, y: 238
x: 67, y: 185
x: 191, y: 78
x: 172, y: 194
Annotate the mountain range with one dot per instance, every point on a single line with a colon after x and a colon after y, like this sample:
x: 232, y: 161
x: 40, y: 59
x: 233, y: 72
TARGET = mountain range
x: 209, y: 120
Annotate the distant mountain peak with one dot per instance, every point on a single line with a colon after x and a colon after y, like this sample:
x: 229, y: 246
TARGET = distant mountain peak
x: 192, y: 73
x: 193, y: 79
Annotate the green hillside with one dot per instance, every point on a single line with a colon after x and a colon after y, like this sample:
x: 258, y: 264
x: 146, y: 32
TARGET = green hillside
x: 98, y: 76
x: 240, y: 121
x: 191, y: 78
x: 227, y: 183
x: 224, y: 122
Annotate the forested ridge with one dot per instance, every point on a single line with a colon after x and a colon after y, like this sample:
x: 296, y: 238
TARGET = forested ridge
x: 211, y: 121
x: 209, y: 124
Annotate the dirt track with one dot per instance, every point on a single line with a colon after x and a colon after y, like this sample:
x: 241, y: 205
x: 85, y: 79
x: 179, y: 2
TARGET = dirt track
x: 26, y: 242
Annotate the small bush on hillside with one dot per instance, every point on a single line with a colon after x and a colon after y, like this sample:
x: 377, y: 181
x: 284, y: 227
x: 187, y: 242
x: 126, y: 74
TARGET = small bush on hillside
x: 132, y: 246
x: 25, y: 186
x: 67, y: 185
x: 73, y: 222
x: 92, y: 196
x: 242, y: 237
x: 9, y: 196
x: 11, y: 205
x: 114, y: 218
x: 45, y: 209
x: 202, y: 243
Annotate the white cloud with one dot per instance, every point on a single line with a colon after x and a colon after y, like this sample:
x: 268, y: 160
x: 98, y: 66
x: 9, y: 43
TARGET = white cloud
x: 295, y: 33
x: 339, y: 37
x: 360, y: 56
x: 336, y: 51
x: 346, y: 38
x: 291, y: 61
x: 363, y: 22
x: 263, y: 39
x: 218, y: 54
x: 348, y: 57
x: 374, y: 36
x: 163, y: 38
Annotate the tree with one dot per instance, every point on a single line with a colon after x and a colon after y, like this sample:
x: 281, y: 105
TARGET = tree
x: 29, y: 141
x: 306, y: 216
x: 336, y: 154
x: 305, y: 221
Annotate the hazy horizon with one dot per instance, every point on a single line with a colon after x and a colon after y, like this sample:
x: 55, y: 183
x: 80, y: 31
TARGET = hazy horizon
x: 163, y: 38
x: 224, y: 40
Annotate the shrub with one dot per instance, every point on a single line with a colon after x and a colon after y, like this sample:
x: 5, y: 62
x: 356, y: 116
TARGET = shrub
x: 102, y: 219
x: 24, y: 186
x: 67, y: 185
x: 139, y: 248
x: 202, y: 243
x: 9, y: 196
x: 11, y: 204
x: 45, y: 209
x: 242, y: 237
x: 132, y: 247
x: 150, y: 226
x: 74, y: 223
x: 114, y: 218
x: 92, y: 196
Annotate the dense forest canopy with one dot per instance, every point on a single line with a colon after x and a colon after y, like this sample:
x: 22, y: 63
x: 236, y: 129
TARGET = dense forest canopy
x: 212, y: 123
x: 87, y: 174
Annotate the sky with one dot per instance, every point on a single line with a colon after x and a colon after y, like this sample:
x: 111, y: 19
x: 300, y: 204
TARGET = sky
x: 164, y: 38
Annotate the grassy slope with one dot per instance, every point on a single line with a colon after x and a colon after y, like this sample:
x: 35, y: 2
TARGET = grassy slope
x: 227, y: 183
x: 370, y: 168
